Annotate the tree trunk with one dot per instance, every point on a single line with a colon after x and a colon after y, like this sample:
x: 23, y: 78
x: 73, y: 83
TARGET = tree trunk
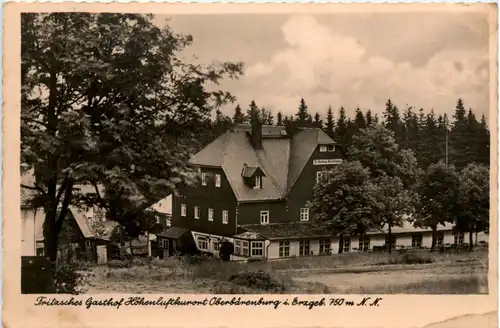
x: 433, y: 242
x: 390, y: 239
x: 471, y: 240
x: 341, y: 244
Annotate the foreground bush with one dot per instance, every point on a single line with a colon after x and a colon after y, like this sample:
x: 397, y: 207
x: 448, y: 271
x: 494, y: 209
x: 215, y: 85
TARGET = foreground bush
x: 258, y: 280
x: 68, y: 279
x: 408, y: 258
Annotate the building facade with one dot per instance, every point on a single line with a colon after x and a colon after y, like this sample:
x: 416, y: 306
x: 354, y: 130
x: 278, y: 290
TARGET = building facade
x: 255, y: 185
x: 253, y: 176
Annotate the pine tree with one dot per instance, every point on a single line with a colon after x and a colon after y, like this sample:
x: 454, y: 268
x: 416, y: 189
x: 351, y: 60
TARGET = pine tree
x: 359, y: 120
x: 484, y: 143
x: 252, y: 111
x: 317, y: 121
x: 330, y: 123
x: 279, y: 119
x: 341, y: 129
x: 369, y: 118
x: 459, y: 151
x: 238, y: 116
x: 303, y: 117
x: 410, y: 129
x: 392, y: 120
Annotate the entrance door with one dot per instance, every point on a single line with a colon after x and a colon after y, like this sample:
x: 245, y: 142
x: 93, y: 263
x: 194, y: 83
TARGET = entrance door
x: 102, y: 254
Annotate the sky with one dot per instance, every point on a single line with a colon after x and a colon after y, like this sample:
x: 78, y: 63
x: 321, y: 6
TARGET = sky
x: 426, y: 60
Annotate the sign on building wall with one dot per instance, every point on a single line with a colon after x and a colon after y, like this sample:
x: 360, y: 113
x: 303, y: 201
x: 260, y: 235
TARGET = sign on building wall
x: 335, y: 161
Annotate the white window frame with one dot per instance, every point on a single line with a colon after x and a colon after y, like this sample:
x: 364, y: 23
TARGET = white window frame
x: 238, y: 247
x: 204, y: 241
x: 168, y: 222
x: 245, y: 248
x: 183, y: 210
x: 322, y: 148
x: 225, y: 217
x: 347, y: 242
x: 416, y: 240
x: 211, y: 214
x: 196, y: 212
x: 284, y: 248
x: 364, y: 241
x: 459, y: 238
x: 304, y: 245
x: 157, y: 220
x: 255, y: 247
x: 215, y: 245
x: 325, y: 246
x: 257, y: 182
x: 304, y: 214
x: 264, y: 217
x: 331, y: 148
x: 217, y: 180
x: 203, y: 179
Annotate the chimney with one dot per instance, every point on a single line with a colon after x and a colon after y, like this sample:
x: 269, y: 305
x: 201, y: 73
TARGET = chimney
x: 256, y: 132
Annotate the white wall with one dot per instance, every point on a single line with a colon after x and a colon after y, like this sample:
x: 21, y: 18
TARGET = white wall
x: 163, y: 206
x: 31, y: 230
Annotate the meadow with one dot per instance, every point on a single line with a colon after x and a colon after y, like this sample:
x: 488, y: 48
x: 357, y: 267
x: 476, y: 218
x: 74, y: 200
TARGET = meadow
x: 416, y: 272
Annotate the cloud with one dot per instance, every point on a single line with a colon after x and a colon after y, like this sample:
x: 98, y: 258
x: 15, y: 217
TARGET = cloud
x: 327, y: 68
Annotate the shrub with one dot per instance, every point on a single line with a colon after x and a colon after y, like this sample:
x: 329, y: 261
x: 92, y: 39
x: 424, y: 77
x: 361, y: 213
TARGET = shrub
x: 68, y: 280
x: 257, y: 280
x: 119, y: 264
x: 411, y: 258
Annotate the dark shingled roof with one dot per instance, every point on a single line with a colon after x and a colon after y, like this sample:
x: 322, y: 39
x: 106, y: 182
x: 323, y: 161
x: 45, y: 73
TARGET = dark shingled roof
x: 173, y: 232
x: 292, y: 230
x: 281, y: 159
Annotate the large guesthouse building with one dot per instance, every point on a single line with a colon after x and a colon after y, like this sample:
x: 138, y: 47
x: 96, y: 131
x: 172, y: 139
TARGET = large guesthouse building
x: 255, y: 185
x: 256, y: 181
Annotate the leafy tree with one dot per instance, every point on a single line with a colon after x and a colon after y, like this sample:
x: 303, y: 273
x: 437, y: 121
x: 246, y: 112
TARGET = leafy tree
x: 330, y: 123
x: 473, y: 207
x: 393, y: 202
x: 377, y: 150
x: 303, y: 116
x: 105, y: 101
x: 344, y: 199
x: 238, y: 116
x: 437, y: 190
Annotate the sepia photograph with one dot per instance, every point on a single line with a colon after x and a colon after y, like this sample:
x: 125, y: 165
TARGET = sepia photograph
x: 257, y: 153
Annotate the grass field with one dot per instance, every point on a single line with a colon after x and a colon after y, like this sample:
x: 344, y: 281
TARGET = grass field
x: 356, y: 273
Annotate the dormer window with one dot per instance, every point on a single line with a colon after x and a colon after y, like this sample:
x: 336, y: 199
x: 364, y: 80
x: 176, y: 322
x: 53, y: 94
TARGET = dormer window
x: 322, y: 148
x: 331, y: 148
x: 203, y: 179
x: 257, y: 182
x: 252, y: 176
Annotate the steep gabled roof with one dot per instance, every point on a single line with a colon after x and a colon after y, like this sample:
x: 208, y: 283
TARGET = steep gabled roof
x: 282, y: 158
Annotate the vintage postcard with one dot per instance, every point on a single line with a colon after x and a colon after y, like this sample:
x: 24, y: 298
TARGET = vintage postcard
x: 250, y: 165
